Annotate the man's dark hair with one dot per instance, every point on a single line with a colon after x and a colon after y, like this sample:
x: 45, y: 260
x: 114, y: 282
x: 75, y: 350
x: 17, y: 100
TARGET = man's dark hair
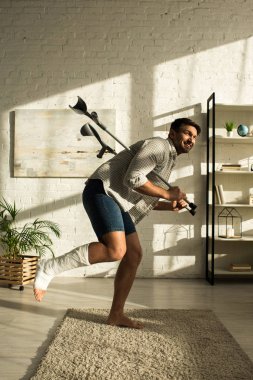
x: 184, y: 121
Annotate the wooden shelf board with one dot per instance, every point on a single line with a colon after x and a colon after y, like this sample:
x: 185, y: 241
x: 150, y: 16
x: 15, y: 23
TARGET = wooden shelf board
x: 244, y: 238
x: 234, y: 107
x: 230, y: 273
x: 232, y: 140
x: 233, y: 205
x: 240, y: 172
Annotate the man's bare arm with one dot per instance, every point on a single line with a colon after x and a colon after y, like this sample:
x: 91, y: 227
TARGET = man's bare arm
x: 174, y: 193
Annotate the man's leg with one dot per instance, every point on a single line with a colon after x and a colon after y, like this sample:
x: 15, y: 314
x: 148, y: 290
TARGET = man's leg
x: 113, y: 249
x: 123, y: 282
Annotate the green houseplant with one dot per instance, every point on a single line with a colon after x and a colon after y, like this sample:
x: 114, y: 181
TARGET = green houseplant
x: 229, y: 126
x: 22, y: 245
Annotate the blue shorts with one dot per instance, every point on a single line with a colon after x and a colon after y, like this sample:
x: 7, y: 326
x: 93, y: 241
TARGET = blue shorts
x: 104, y: 213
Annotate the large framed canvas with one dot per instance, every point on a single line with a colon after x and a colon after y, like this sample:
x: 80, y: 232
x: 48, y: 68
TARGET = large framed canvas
x: 48, y: 143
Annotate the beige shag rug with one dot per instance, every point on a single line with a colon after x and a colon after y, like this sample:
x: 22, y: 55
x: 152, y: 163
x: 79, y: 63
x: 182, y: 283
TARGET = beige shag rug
x: 175, y: 344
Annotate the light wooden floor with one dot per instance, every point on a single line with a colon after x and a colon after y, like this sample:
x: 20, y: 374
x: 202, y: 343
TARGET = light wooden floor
x: 26, y: 326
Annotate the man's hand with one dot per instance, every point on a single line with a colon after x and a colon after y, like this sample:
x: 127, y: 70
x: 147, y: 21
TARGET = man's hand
x: 171, y: 206
x: 178, y: 205
x: 175, y: 194
x: 172, y: 194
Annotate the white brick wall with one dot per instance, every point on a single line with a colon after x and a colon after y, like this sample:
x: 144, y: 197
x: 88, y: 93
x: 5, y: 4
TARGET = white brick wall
x: 152, y: 61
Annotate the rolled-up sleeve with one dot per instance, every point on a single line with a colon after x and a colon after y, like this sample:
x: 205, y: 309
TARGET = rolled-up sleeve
x: 149, y: 156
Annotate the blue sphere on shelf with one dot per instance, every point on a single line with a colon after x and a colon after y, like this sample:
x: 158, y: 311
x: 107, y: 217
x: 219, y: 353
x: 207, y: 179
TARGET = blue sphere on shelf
x: 242, y: 130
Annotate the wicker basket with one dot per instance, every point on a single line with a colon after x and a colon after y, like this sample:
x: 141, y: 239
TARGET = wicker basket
x: 19, y: 271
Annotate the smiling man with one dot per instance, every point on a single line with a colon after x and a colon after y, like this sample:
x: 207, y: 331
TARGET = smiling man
x: 117, y: 196
x: 183, y: 133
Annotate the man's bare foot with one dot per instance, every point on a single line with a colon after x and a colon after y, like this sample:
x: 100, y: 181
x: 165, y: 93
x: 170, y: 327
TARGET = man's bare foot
x: 41, y: 281
x: 123, y: 321
x: 39, y: 294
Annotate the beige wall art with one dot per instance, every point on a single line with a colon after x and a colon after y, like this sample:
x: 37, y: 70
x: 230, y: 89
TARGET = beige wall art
x: 48, y: 143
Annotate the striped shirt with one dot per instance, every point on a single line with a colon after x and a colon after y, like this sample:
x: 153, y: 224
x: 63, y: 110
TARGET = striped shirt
x: 126, y: 171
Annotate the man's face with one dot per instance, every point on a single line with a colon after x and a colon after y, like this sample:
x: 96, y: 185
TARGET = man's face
x: 184, y: 140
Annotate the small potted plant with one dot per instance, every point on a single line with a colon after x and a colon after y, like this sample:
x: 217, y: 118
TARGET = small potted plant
x: 229, y: 126
x: 22, y: 245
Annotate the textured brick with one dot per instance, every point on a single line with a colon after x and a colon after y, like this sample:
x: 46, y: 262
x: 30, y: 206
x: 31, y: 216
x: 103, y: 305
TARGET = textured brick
x: 149, y: 60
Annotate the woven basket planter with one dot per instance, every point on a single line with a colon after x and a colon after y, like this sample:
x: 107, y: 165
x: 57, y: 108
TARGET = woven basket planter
x: 19, y: 271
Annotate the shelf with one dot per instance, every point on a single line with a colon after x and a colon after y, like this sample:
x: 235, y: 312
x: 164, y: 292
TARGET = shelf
x: 233, y: 205
x: 221, y: 151
x: 232, y: 107
x: 226, y: 272
x: 233, y: 140
x: 243, y: 238
x: 240, y: 172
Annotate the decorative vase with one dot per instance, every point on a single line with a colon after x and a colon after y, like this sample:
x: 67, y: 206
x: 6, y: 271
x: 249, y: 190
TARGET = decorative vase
x: 18, y: 271
x: 229, y: 133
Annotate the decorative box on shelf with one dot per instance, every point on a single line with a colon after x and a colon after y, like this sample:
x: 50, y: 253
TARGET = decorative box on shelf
x: 229, y: 223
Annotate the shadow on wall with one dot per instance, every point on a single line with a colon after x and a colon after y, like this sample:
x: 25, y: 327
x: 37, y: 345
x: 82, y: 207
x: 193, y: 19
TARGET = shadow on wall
x: 57, y: 48
x: 173, y: 240
x: 188, y: 176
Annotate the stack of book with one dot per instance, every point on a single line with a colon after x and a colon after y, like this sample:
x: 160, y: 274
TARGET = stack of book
x: 230, y: 167
x: 240, y: 267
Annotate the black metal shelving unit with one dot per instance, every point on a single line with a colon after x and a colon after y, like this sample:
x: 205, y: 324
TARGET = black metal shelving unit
x: 212, y: 241
x: 210, y: 183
